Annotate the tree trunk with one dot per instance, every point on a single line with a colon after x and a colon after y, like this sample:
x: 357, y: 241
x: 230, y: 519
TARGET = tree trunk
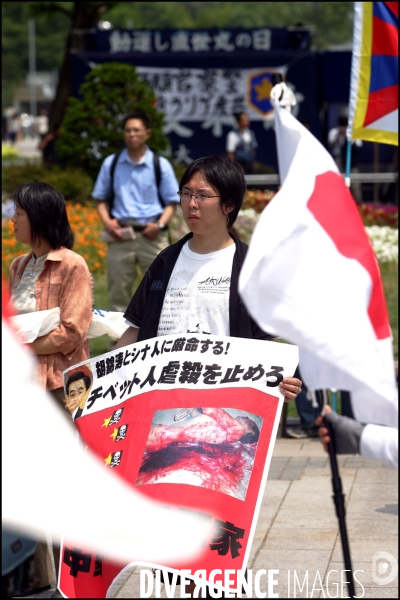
x: 85, y: 16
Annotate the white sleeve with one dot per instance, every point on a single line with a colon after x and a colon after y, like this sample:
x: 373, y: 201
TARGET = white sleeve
x: 231, y: 141
x: 380, y: 443
x: 332, y: 135
x: 128, y: 322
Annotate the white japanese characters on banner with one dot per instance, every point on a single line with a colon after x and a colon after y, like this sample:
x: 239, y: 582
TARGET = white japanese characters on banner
x: 190, y: 421
x: 189, y: 41
x: 209, y: 94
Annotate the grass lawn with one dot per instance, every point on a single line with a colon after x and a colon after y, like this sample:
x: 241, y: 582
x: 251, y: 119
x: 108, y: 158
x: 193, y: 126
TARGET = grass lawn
x: 389, y: 273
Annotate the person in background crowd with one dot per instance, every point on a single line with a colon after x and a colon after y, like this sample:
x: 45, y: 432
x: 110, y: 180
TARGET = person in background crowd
x: 42, y: 123
x: 241, y: 144
x: 48, y: 146
x: 4, y: 129
x: 307, y: 414
x: 14, y: 128
x: 50, y: 276
x: 138, y: 203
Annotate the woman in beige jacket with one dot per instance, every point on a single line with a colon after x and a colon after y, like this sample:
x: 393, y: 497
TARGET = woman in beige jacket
x: 50, y: 276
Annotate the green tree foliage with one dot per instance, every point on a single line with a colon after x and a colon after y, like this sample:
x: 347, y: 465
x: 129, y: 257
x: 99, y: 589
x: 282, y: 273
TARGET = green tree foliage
x: 51, y: 31
x: 332, y: 21
x: 92, y: 127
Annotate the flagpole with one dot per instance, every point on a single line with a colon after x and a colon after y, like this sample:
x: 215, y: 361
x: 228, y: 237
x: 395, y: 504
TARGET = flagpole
x: 338, y: 499
x: 348, y: 164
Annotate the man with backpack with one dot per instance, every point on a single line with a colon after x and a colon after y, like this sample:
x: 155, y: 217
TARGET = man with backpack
x: 136, y: 194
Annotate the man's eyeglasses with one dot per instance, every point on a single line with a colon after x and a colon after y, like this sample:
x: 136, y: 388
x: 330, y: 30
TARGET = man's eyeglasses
x: 133, y: 129
x: 186, y: 196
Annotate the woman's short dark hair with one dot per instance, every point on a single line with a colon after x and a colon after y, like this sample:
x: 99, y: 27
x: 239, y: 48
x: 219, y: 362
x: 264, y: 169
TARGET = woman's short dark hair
x: 75, y: 377
x: 140, y: 116
x: 225, y: 175
x: 47, y: 214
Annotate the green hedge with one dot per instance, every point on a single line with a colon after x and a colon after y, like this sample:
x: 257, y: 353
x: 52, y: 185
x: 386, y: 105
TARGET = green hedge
x: 72, y: 182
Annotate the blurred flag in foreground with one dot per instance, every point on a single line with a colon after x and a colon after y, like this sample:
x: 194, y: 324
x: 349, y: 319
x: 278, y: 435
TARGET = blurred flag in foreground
x: 311, y: 276
x: 52, y: 485
x: 374, y: 92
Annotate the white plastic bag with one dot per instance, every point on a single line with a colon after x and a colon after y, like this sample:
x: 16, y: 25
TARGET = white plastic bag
x: 36, y: 324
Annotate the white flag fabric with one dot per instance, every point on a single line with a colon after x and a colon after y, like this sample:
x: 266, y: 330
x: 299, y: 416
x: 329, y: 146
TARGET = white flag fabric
x: 311, y: 276
x: 51, y: 484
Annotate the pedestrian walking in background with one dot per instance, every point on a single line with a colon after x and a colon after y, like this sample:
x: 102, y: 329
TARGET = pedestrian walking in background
x: 136, y: 198
x: 42, y: 123
x: 48, y: 146
x: 14, y: 128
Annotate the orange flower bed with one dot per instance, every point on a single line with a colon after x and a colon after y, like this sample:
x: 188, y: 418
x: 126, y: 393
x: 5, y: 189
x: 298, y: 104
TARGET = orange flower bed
x: 86, y: 225
x: 257, y: 199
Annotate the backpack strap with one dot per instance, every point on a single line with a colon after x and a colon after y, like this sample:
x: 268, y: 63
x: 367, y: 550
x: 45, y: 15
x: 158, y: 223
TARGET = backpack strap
x: 157, y: 171
x: 110, y: 199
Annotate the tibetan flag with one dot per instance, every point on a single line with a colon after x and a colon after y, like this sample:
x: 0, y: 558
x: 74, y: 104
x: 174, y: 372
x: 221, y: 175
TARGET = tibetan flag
x: 311, y: 276
x: 374, y: 90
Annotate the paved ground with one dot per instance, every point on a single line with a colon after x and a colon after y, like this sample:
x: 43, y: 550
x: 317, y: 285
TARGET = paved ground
x: 297, y: 528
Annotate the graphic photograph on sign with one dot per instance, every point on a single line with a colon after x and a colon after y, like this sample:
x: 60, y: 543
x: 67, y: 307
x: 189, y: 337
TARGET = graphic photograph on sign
x: 209, y: 447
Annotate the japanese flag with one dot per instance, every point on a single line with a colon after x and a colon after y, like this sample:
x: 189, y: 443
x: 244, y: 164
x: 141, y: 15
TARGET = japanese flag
x: 51, y: 484
x: 311, y: 276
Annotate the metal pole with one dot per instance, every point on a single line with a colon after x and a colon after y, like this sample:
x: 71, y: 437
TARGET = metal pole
x: 334, y: 399
x: 32, y: 68
x: 338, y: 499
x: 348, y: 164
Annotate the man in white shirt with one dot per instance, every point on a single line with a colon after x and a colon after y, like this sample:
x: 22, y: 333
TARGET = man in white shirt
x: 241, y: 144
x: 192, y: 286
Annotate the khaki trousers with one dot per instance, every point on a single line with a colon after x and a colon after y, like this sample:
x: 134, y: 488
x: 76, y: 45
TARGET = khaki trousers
x: 122, y: 261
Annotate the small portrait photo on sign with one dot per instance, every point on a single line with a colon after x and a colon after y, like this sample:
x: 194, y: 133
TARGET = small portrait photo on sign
x: 77, y: 387
x: 213, y: 448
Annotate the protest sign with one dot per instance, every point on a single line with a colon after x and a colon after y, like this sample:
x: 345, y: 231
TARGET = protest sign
x: 189, y: 421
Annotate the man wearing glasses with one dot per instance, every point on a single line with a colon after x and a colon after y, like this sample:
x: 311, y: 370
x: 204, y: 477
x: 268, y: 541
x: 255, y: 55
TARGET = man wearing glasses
x: 140, y: 208
x: 192, y: 286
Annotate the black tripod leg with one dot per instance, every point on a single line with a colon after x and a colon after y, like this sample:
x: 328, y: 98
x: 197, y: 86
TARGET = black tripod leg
x: 338, y: 498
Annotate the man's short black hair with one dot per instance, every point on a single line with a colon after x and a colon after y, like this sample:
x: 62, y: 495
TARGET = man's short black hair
x: 239, y: 114
x: 225, y: 175
x: 76, y: 376
x: 137, y: 115
x: 47, y: 214
x: 343, y: 121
